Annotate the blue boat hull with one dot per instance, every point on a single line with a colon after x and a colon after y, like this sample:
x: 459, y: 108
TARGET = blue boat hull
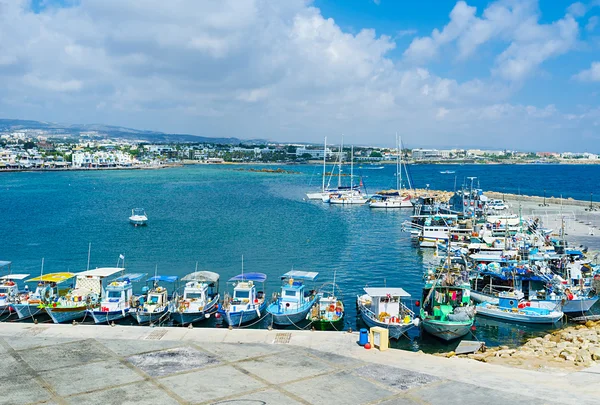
x: 242, y: 317
x: 25, y: 311
x: 60, y: 316
x: 185, y: 318
x: 289, y: 318
x: 109, y: 316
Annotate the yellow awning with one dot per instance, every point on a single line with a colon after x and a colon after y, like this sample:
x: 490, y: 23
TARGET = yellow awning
x: 53, y: 277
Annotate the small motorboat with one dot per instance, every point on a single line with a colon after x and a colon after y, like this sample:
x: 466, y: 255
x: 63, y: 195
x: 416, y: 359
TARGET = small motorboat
x: 138, y: 217
x: 447, y: 172
x: 154, y: 306
x: 510, y: 308
x: 200, y: 298
x: 247, y: 303
x: 328, y: 311
x: 116, y: 303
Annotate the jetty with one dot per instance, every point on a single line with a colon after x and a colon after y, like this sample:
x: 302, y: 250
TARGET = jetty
x: 123, y: 364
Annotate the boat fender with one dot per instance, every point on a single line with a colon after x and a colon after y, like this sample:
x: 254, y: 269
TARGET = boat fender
x: 416, y: 321
x: 331, y: 308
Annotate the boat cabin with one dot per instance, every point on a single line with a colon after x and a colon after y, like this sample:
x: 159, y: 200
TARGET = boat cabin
x: 118, y: 292
x: 9, y: 290
x: 293, y: 290
x: 199, y: 289
x: 386, y: 300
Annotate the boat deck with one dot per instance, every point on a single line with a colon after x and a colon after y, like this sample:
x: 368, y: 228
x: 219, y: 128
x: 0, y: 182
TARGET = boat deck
x: 129, y: 365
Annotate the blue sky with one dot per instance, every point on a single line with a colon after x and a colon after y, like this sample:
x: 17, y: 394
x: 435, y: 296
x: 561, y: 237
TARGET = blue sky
x: 507, y: 74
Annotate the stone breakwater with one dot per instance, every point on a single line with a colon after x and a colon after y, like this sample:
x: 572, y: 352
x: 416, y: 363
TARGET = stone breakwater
x: 574, y: 347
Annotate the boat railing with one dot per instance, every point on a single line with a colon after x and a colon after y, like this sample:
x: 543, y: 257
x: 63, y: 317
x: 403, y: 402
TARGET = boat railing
x: 496, y: 289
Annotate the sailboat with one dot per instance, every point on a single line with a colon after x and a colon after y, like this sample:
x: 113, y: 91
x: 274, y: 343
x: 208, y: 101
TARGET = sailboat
x: 353, y: 196
x: 393, y: 198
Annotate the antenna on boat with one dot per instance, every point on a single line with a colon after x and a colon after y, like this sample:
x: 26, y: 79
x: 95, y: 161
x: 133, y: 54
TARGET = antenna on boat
x: 89, y: 254
x: 242, y: 267
x: 334, y: 273
x: 324, y: 162
x: 42, y: 270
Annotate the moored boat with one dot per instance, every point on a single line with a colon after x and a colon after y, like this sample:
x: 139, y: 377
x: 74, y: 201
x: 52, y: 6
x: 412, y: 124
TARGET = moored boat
x: 328, y: 311
x: 247, y: 304
x: 510, y: 308
x: 9, y: 292
x: 154, y: 306
x: 117, y: 298
x: 29, y: 305
x: 200, y: 298
x: 138, y: 217
x: 294, y: 302
x: 446, y: 308
x: 383, y: 307
x: 85, y: 295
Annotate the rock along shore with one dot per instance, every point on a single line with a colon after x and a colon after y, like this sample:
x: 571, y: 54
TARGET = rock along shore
x: 574, y: 347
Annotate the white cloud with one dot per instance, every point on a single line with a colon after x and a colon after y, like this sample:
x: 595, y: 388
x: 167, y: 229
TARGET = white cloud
x: 589, y: 75
x: 509, y: 21
x: 577, y: 9
x: 263, y: 69
x: 592, y: 23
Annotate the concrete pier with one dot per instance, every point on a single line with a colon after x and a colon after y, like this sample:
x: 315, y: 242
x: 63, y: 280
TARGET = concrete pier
x: 65, y: 364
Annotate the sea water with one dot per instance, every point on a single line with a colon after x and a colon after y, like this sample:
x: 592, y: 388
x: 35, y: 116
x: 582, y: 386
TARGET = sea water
x: 211, y: 216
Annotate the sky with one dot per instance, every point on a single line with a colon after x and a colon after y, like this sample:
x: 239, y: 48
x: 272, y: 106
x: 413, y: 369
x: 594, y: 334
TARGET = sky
x: 504, y: 74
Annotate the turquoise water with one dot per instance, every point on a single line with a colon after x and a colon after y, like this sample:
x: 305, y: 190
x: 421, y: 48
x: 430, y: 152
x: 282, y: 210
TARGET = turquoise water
x: 212, y: 215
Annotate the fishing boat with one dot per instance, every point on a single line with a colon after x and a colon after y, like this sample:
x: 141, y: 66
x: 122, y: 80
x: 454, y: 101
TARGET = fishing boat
x: 447, y: 172
x: 247, y: 303
x: 154, y: 306
x: 9, y: 291
x: 86, y: 294
x: 383, y: 307
x: 393, y: 198
x: 32, y: 304
x: 117, y: 299
x: 199, y: 300
x: 511, y: 308
x: 291, y: 306
x: 446, y: 308
x: 138, y: 217
x: 328, y: 311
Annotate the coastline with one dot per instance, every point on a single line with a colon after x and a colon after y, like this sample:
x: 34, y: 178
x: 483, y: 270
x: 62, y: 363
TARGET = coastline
x: 92, y: 169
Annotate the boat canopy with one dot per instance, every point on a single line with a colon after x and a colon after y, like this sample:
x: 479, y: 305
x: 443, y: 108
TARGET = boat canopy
x: 206, y: 276
x: 53, y: 277
x: 100, y: 272
x: 166, y: 279
x: 385, y: 291
x: 4, y: 263
x: 257, y: 277
x: 133, y: 277
x: 301, y: 275
x: 14, y: 277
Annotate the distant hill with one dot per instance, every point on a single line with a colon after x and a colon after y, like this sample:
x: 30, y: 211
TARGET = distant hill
x: 118, y: 132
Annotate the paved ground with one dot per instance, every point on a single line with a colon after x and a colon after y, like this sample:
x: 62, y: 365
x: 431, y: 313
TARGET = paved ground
x: 63, y: 364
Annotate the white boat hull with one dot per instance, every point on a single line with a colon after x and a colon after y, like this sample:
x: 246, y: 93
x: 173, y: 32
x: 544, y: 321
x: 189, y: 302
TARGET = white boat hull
x: 391, y: 204
x: 396, y: 330
x: 494, y: 312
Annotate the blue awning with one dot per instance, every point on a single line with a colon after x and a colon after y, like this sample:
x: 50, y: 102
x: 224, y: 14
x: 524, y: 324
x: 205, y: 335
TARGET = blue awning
x: 257, y: 277
x: 133, y: 277
x: 166, y: 279
x: 301, y: 275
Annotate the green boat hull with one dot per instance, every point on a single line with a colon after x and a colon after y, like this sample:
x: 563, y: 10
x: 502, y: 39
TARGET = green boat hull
x: 329, y: 325
x: 446, y: 330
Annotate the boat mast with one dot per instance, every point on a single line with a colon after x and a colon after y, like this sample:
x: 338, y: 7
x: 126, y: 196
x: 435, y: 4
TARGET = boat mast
x: 324, y: 162
x: 340, y: 166
x: 352, y: 167
x: 398, y: 167
x: 42, y: 270
x: 89, y: 253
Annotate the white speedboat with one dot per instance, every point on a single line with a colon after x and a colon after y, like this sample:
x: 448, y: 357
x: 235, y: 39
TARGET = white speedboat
x: 383, y: 307
x: 390, y: 200
x: 138, y: 217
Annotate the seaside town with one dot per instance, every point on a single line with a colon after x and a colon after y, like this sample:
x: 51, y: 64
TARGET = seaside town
x: 35, y: 149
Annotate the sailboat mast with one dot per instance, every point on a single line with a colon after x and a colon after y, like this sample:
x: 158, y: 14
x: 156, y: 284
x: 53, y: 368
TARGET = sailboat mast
x: 352, y: 167
x: 89, y: 254
x: 324, y: 162
x: 340, y: 166
x: 42, y: 270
